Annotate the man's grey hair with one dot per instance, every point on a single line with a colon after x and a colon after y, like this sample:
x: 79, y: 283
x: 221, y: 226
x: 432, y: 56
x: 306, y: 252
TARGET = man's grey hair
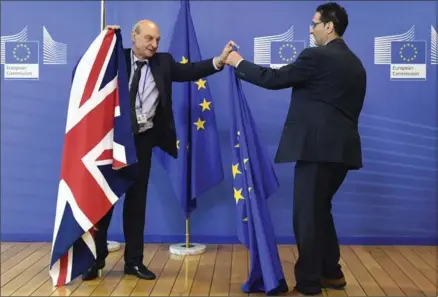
x: 136, y: 28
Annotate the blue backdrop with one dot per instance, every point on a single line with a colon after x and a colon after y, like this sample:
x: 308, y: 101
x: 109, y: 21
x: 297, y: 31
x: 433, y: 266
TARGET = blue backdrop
x: 391, y: 200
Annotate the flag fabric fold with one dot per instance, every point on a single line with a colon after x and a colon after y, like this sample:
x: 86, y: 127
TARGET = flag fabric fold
x: 99, y: 158
x: 199, y: 165
x: 254, y: 180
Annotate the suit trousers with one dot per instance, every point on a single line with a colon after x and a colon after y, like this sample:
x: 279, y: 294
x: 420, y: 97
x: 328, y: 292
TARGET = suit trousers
x: 315, y: 184
x: 134, y: 207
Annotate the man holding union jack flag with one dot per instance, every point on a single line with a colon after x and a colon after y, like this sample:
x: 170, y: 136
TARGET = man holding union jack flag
x: 150, y: 77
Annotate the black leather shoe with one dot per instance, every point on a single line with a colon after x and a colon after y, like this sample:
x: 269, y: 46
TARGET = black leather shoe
x: 296, y: 292
x: 336, y: 283
x: 139, y: 271
x: 93, y: 272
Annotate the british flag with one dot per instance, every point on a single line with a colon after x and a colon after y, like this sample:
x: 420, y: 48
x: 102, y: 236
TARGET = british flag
x: 98, y: 146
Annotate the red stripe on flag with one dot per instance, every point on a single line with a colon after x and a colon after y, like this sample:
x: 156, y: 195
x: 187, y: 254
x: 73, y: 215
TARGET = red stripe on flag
x: 79, y: 141
x: 97, y: 67
x: 63, y: 268
x: 106, y: 155
x: 117, y: 164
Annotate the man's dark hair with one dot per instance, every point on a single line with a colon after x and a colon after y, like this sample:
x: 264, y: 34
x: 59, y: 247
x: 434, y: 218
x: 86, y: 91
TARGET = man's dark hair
x: 333, y: 12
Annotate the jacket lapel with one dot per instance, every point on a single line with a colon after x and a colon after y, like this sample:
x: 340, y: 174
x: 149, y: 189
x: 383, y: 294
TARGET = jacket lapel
x: 128, y: 61
x: 158, y: 77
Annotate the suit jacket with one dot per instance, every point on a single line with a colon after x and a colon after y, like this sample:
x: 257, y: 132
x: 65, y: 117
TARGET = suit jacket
x: 329, y: 85
x: 165, y: 71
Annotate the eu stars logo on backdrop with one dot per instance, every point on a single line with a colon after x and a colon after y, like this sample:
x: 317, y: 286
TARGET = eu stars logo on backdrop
x: 405, y: 55
x: 408, y: 59
x: 283, y: 53
x: 21, y: 60
x: 21, y: 57
x: 278, y: 50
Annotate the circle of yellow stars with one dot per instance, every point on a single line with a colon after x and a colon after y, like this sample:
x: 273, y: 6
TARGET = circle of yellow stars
x: 17, y: 48
x: 205, y: 104
x: 294, y: 52
x: 412, y: 48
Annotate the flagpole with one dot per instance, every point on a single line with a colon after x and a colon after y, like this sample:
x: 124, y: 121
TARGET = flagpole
x: 102, y: 15
x: 112, y: 245
x: 188, y: 233
x: 187, y: 248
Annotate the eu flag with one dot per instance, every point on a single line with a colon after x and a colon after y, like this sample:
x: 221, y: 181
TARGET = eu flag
x: 254, y: 180
x: 408, y: 52
x: 199, y: 163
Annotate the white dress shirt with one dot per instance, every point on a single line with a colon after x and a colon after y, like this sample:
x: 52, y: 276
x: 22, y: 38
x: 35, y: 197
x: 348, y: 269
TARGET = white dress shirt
x: 147, y: 97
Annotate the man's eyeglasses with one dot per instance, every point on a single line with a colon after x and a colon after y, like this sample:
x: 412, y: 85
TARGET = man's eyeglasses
x: 313, y: 24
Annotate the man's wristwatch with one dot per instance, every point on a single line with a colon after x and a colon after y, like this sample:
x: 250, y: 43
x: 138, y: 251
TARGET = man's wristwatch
x: 219, y: 61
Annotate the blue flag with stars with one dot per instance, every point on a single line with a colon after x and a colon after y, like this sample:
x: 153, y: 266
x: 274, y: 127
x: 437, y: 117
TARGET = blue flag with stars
x: 199, y: 164
x: 254, y: 180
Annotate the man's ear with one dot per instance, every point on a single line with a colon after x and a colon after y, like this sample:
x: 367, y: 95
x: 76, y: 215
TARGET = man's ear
x: 330, y: 27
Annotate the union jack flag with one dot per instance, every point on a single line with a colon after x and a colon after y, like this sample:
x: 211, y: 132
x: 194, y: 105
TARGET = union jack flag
x: 98, y: 152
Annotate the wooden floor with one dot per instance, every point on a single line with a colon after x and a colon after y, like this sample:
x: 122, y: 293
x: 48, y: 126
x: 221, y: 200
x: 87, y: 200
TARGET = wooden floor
x: 369, y: 271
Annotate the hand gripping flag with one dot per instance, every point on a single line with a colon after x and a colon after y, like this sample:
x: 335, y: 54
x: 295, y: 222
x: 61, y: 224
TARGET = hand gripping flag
x: 254, y: 180
x: 199, y: 164
x: 98, y: 143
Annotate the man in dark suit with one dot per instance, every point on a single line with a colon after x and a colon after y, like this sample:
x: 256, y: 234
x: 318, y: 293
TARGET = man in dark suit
x: 150, y: 82
x: 321, y: 135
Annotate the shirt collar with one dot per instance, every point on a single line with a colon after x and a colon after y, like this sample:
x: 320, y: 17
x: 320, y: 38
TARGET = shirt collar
x: 135, y: 59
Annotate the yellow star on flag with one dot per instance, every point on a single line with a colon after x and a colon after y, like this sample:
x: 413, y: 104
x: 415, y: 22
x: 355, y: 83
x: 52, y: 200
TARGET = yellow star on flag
x: 238, y: 195
x: 238, y: 134
x: 205, y: 105
x: 177, y: 144
x: 245, y: 161
x: 199, y: 124
x: 201, y: 83
x: 236, y: 170
x: 184, y: 60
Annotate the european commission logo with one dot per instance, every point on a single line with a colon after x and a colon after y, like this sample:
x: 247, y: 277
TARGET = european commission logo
x: 21, y: 57
x: 277, y: 50
x: 408, y: 60
x: 21, y: 60
x: 405, y: 56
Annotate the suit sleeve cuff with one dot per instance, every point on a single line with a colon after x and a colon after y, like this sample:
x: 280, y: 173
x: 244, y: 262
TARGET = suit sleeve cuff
x: 214, y: 64
x: 237, y: 64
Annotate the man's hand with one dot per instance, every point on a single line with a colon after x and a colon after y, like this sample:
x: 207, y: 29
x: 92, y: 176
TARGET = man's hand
x: 114, y: 27
x: 233, y: 59
x: 220, y: 61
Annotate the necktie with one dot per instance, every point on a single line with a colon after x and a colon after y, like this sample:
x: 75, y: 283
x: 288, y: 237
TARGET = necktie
x: 133, y: 93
